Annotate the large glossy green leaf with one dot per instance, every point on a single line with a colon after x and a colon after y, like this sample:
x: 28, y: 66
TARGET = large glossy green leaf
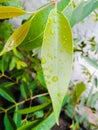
x: 9, y: 12
x: 35, y: 35
x: 82, y: 11
x: 46, y: 124
x: 17, y: 37
x: 9, y: 123
x: 6, y: 29
x: 57, y: 58
x: 5, y: 93
x: 34, y: 109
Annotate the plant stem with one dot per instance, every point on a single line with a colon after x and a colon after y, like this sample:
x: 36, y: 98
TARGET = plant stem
x: 17, y: 104
x: 42, y: 8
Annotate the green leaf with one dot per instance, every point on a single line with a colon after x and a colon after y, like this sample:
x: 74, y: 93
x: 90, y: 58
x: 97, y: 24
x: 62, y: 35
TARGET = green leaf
x: 9, y: 123
x: 28, y: 125
x: 7, y: 29
x: 6, y: 84
x: 17, y: 117
x: 92, y: 100
x: 35, y: 108
x: 4, y: 63
x: 79, y: 89
x: 1, y: 109
x: 57, y: 58
x: 62, y: 4
x: 41, y: 78
x: 5, y: 93
x: 46, y: 124
x: 9, y: 12
x: 12, y: 63
x: 35, y: 35
x: 17, y: 37
x: 92, y: 62
x: 82, y: 11
x: 24, y: 90
x: 69, y: 110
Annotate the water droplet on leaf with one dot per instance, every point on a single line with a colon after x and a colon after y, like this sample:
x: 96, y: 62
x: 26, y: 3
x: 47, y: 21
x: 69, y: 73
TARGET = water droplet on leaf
x: 43, y: 61
x: 55, y: 79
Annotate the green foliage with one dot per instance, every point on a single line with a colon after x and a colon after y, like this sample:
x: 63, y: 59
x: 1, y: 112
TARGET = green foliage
x: 4, y: 92
x: 4, y: 35
x: 79, y: 89
x: 26, y: 78
x: 46, y: 124
x: 81, y: 11
x: 33, y: 109
x: 9, y: 123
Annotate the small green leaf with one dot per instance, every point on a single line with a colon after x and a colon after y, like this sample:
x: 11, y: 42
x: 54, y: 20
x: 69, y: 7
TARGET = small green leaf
x: 9, y: 123
x: 5, y: 93
x: 79, y: 89
x: 20, y: 64
x: 6, y: 29
x: 17, y: 117
x: 28, y: 125
x: 9, y: 12
x: 57, y: 58
x: 35, y: 108
x: 40, y: 77
x: 12, y: 63
x: 24, y: 90
x: 17, y: 37
x: 1, y: 109
x: 46, y: 124
x: 6, y: 84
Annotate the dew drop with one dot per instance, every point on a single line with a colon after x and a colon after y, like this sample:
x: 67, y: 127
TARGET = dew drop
x: 48, y: 82
x: 49, y: 55
x: 59, y: 95
x: 43, y: 61
x: 55, y: 21
x: 54, y: 78
x: 50, y: 71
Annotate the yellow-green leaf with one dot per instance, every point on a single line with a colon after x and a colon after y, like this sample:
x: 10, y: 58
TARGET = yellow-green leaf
x: 17, y: 37
x: 57, y: 58
x: 9, y: 12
